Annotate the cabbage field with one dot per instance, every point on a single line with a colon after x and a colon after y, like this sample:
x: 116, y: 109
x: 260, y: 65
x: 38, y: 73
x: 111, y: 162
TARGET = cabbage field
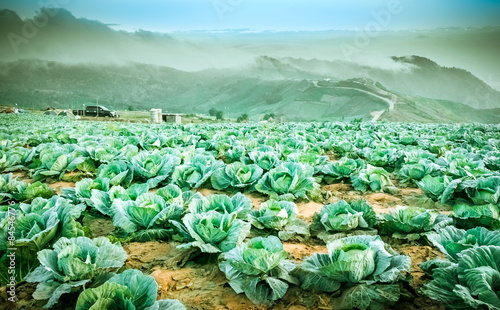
x: 354, y: 215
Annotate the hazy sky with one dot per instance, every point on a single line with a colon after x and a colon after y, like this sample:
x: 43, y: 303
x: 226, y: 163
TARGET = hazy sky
x: 171, y: 15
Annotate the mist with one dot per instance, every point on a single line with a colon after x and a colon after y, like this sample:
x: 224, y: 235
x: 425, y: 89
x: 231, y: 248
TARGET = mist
x: 62, y: 37
x: 56, y: 59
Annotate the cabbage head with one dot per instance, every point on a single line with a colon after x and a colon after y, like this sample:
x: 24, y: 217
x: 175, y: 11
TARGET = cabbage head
x: 342, y: 217
x: 259, y: 269
x: 74, y: 263
x: 471, y: 283
x: 288, y: 181
x: 362, y: 267
x: 129, y: 290
x: 236, y: 176
x: 412, y: 222
x: 212, y: 232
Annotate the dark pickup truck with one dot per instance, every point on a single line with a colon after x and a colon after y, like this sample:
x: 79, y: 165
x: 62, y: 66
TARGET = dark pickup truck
x: 96, y: 110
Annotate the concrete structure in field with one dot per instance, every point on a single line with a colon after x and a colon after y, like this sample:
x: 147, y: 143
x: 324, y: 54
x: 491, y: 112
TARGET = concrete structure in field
x: 172, y: 118
x: 155, y: 116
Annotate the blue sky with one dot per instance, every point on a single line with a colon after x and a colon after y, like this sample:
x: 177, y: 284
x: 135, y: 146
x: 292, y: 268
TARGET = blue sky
x: 171, y: 15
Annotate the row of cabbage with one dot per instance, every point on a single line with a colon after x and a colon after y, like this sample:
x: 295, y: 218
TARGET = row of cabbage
x: 44, y: 242
x: 359, y: 265
x: 450, y: 163
x: 287, y: 180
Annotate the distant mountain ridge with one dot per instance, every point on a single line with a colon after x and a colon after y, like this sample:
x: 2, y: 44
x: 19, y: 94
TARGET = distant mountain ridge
x: 421, y: 77
x: 70, y: 61
x: 40, y: 84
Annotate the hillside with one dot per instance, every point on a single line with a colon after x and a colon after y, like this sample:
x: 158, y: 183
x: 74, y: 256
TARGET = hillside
x: 69, y: 62
x: 261, y: 89
x: 413, y: 75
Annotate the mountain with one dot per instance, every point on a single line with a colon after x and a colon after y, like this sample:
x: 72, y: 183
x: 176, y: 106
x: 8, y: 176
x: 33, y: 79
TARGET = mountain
x: 56, y: 59
x: 57, y: 35
x: 266, y: 87
x: 413, y: 75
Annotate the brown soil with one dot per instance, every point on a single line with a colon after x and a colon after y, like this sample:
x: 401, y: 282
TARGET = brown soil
x: 299, y: 251
x: 58, y: 186
x: 154, y: 255
x: 410, y: 191
x: 257, y: 199
x: 207, y: 288
x: 22, y: 175
x: 204, y: 286
x: 418, y: 254
x: 307, y: 210
x: 382, y: 202
x: 207, y: 192
x: 418, y: 303
x: 200, y: 288
x: 338, y: 187
x: 338, y: 191
x: 333, y: 157
x: 8, y: 110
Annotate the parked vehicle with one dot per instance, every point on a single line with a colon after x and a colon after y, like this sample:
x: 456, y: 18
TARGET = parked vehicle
x: 96, y: 110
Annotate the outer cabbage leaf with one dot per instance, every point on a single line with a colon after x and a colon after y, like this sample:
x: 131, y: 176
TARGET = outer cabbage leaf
x: 73, y: 263
x: 472, y: 283
x: 153, y: 168
x: 235, y: 154
x: 267, y: 160
x: 311, y: 159
x: 351, y: 262
x: 341, y: 169
x: 484, y: 190
x: 130, y: 290
x: 274, y: 214
x: 174, y: 195
x: 452, y: 241
x: 412, y: 222
x: 56, y: 161
x: 280, y: 216
x: 103, y: 200
x: 82, y: 192
x: 417, y: 171
x: 441, y: 188
x: 13, y: 189
x: 373, y: 178
x: 118, y: 172
x: 238, y: 204
x: 341, y: 219
x: 472, y: 216
x: 36, y: 228
x: 146, y: 218
x: 373, y: 297
x: 16, y: 159
x: 107, y: 296
x: 194, y: 173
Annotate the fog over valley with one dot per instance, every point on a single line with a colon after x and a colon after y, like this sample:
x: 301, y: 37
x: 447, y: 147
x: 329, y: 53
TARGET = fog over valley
x: 454, y: 65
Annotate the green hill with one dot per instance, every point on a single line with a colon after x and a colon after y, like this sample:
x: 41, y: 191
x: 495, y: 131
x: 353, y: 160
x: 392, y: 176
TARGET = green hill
x: 41, y: 84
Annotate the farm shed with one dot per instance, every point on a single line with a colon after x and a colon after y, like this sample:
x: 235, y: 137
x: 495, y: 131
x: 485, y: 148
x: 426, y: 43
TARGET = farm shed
x: 172, y: 118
